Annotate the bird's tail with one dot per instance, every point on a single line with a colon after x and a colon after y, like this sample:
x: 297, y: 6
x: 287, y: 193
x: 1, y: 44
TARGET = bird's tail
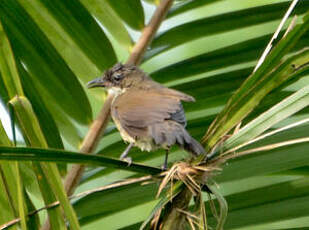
x: 193, y: 147
x: 171, y: 132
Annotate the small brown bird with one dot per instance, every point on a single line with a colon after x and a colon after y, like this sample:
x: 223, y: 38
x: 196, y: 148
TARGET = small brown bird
x: 147, y: 114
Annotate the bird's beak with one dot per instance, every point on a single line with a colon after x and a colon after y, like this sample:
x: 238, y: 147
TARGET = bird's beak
x: 98, y: 82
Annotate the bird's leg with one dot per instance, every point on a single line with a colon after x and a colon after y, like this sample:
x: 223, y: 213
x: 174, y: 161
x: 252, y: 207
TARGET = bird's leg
x: 124, y: 155
x: 164, y: 166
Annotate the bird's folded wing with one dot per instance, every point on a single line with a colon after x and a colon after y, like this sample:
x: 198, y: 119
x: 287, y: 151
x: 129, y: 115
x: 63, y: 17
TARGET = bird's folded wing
x: 175, y: 93
x: 139, y: 109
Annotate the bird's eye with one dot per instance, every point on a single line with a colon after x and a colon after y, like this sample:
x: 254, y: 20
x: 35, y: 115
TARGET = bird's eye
x: 117, y: 76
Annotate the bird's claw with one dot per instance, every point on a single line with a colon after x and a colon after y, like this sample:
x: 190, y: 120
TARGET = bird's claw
x: 164, y: 167
x: 127, y: 159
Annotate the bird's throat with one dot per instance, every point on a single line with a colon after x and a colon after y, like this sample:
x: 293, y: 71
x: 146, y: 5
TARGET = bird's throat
x: 116, y: 91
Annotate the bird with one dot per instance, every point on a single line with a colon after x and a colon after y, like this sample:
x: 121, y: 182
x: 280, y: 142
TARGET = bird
x: 147, y: 114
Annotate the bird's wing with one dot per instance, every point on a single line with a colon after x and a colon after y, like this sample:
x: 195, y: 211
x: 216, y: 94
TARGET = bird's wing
x: 137, y: 110
x: 175, y: 93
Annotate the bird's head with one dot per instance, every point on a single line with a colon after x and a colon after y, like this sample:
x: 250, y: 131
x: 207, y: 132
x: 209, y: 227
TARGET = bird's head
x: 119, y: 77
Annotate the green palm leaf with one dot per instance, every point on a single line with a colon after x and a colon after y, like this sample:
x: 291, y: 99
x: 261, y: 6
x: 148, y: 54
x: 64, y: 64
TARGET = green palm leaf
x: 50, y: 49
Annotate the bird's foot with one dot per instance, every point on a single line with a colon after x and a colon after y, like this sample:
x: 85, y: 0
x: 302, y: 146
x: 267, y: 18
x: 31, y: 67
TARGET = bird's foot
x: 127, y: 159
x: 164, y: 167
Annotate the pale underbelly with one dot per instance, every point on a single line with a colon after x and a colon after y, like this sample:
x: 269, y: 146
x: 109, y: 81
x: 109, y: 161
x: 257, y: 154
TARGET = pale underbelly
x: 145, y: 144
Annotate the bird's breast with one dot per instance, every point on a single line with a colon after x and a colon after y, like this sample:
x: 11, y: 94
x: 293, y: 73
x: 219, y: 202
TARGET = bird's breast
x: 145, y: 144
x: 123, y: 133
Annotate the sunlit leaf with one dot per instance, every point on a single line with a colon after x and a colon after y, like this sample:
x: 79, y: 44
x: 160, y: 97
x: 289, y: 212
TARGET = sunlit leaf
x: 245, y: 52
x: 183, y: 6
x: 259, y: 84
x: 109, y: 19
x: 85, y: 31
x: 66, y: 91
x: 284, y: 109
x: 8, y: 67
x: 8, y: 197
x: 131, y: 12
x: 47, y: 174
x: 219, y: 24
